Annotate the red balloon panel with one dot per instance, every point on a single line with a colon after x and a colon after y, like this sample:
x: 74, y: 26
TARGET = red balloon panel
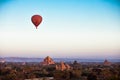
x: 36, y: 20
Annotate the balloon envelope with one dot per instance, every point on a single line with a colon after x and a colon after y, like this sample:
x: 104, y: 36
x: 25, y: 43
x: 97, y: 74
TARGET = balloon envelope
x: 36, y: 20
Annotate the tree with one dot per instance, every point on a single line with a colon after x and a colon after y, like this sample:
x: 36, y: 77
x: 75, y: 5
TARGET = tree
x: 91, y: 76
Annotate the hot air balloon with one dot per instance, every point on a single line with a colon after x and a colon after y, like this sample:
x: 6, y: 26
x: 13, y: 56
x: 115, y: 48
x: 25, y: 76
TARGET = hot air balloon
x: 36, y: 20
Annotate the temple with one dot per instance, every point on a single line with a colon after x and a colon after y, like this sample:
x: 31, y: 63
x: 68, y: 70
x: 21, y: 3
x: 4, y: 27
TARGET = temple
x: 47, y: 61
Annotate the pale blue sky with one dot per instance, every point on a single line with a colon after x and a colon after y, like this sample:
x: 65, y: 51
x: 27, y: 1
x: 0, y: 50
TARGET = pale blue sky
x: 74, y: 28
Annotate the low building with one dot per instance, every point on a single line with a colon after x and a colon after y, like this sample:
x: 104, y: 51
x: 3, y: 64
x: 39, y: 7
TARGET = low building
x: 106, y: 63
x: 2, y: 61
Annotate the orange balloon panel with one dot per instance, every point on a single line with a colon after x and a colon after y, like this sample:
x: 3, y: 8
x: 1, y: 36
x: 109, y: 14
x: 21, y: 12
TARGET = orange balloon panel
x: 36, y: 20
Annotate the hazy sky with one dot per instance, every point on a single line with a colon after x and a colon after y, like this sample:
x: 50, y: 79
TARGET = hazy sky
x: 70, y: 28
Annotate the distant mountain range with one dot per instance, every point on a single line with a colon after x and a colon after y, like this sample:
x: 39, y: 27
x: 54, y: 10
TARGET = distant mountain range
x: 21, y: 59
